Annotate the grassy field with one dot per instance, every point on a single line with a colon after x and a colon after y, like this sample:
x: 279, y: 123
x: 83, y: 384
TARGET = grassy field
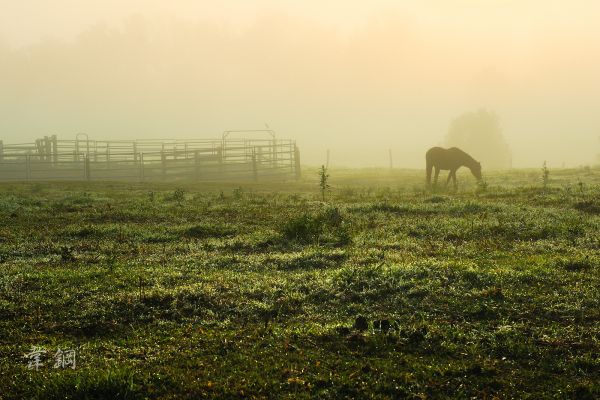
x: 385, y: 290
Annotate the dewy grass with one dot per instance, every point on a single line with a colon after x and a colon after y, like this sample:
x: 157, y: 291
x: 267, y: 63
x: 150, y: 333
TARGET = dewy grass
x: 265, y: 291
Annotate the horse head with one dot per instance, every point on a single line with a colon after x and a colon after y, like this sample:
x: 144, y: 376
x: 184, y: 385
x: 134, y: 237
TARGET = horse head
x: 476, y: 170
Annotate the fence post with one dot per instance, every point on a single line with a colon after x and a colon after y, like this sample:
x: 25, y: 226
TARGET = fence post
x: 290, y: 154
x: 254, y: 168
x: 141, y: 160
x: 297, y: 161
x: 86, y: 167
x: 197, y: 164
x: 54, y: 149
x: 274, y: 153
x: 163, y: 161
x: 259, y: 156
x: 27, y: 167
x: 135, y: 154
x: 1, y: 151
x: 38, y: 147
x: 220, y: 157
x: 47, y: 148
x: 107, y: 158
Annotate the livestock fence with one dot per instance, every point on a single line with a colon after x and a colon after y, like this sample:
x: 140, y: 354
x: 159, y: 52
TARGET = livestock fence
x: 227, y: 158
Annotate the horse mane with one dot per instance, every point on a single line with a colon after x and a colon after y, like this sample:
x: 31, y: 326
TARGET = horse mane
x: 467, y: 156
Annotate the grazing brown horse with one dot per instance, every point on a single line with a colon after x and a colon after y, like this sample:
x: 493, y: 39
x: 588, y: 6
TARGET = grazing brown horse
x: 450, y: 159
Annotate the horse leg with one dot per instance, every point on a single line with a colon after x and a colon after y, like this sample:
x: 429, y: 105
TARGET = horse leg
x: 449, y: 177
x: 437, y: 174
x: 454, y: 179
x: 429, y: 168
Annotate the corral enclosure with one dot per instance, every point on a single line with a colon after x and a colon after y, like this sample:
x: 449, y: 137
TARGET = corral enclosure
x: 259, y: 154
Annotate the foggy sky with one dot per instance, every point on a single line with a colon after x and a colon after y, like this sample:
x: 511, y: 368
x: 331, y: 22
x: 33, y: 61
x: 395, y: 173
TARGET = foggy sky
x: 355, y: 77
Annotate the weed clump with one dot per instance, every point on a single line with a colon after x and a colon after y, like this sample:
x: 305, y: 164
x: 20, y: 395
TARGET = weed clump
x: 589, y: 207
x: 238, y: 193
x: 66, y: 254
x: 178, y: 195
x: 332, y: 217
x: 576, y: 263
x: 361, y: 323
x: 326, y: 227
x: 305, y: 229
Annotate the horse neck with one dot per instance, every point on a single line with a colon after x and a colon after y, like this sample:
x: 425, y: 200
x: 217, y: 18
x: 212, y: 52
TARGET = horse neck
x: 469, y: 162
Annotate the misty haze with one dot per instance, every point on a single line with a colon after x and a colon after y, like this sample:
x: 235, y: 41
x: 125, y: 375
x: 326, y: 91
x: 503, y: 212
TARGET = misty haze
x: 389, y: 77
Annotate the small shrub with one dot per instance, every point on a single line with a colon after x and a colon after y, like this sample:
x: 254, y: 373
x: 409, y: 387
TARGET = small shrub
x: 327, y: 227
x: 332, y: 216
x: 545, y: 175
x: 343, y: 236
x: 178, y: 195
x: 303, y: 229
x: 323, y: 181
x: 238, y: 193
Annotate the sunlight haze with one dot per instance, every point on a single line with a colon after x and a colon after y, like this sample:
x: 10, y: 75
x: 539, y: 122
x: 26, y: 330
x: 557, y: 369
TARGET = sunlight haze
x: 354, y: 77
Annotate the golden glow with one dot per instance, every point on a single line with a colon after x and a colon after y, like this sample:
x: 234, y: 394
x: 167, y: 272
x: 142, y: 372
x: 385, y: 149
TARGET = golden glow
x: 353, y: 76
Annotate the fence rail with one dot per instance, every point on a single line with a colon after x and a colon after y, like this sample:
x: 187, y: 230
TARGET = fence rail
x: 145, y: 160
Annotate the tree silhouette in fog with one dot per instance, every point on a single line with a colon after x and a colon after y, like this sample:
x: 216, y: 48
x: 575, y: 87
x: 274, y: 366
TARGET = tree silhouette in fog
x: 479, y: 133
